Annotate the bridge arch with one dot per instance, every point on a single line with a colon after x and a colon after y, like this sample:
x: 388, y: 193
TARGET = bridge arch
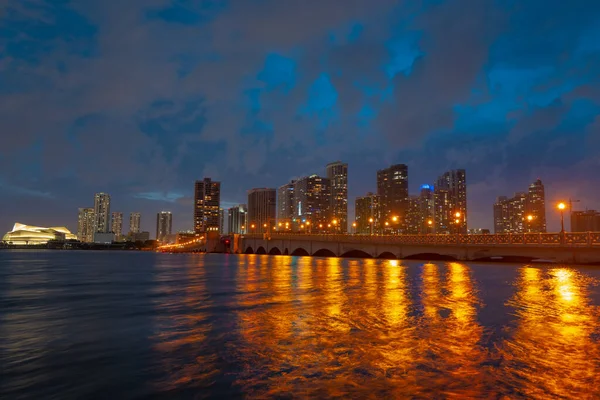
x: 356, y: 254
x: 324, y: 253
x: 300, y: 252
x: 386, y: 255
x: 275, y: 251
x: 430, y: 257
x: 286, y: 252
x: 249, y: 250
x: 261, y: 250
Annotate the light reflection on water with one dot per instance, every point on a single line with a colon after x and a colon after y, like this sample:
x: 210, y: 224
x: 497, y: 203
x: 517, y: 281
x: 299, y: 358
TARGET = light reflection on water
x: 210, y: 326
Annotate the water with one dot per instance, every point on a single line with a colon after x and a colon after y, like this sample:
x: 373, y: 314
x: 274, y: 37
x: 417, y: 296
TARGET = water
x: 141, y: 325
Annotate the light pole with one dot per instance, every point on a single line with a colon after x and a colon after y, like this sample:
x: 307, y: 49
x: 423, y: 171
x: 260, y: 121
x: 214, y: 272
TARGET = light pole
x: 429, y: 224
x: 529, y: 219
x: 354, y: 227
x: 561, y: 207
x: 457, y: 221
x: 371, y: 223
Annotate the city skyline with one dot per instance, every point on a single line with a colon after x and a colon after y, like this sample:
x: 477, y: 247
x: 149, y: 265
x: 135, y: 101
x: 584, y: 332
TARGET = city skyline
x: 510, y: 97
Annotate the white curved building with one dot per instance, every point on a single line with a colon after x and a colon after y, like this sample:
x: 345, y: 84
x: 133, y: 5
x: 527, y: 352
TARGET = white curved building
x: 26, y: 234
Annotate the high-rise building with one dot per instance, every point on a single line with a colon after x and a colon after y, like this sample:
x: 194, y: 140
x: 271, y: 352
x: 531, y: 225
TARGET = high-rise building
x: 453, y: 208
x: 236, y: 219
x: 441, y: 211
x: 585, y: 221
x: 86, y: 222
x: 285, y: 203
x: 367, y: 209
x: 536, y: 207
x: 262, y: 210
x: 312, y: 201
x: 117, y: 224
x: 164, y: 223
x: 426, y: 209
x: 135, y: 220
x: 525, y: 212
x: 337, y: 173
x: 392, y: 188
x: 413, y: 220
x: 102, y: 212
x: 221, y: 220
x: 207, y: 200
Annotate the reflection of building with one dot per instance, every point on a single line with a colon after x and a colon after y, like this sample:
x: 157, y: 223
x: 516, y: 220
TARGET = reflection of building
x: 102, y: 211
x: 337, y: 174
x: 27, y: 235
x: 392, y: 188
x: 135, y: 219
x: 86, y: 221
x: 262, y: 207
x: 451, y: 193
x: 367, y: 212
x: 117, y: 224
x: 585, y: 221
x: 285, y: 203
x: 207, y: 199
x: 312, y: 196
x: 164, y: 223
x: 511, y: 215
x: 236, y: 219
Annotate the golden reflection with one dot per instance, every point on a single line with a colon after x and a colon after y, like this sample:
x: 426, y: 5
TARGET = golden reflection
x: 551, y: 353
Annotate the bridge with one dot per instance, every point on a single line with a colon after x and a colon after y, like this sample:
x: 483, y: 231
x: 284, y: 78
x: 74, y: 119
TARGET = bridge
x: 566, y: 247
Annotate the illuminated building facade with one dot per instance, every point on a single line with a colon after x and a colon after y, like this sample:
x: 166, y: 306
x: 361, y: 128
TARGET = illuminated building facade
x: 22, y: 234
x: 117, y: 224
x: 524, y: 212
x: 413, y: 220
x: 337, y: 174
x: 236, y: 219
x: 536, y: 207
x: 312, y: 201
x: 102, y: 212
x: 585, y: 221
x: 426, y: 209
x: 164, y: 224
x: 367, y: 209
x: 207, y: 201
x: 135, y: 220
x: 285, y: 203
x: 262, y: 210
x: 450, y: 197
x: 86, y: 221
x: 392, y: 188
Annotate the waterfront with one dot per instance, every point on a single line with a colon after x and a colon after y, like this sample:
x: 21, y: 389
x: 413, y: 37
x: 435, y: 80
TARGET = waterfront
x: 145, y: 325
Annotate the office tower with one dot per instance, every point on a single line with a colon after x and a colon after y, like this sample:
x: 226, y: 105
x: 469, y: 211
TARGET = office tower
x: 135, y: 219
x: 453, y: 202
x: 312, y: 201
x: 510, y: 214
x: 285, y: 204
x: 337, y: 173
x: 367, y: 209
x: 164, y: 223
x: 392, y: 188
x: 262, y: 210
x: 207, y: 200
x: 117, y: 224
x: 536, y: 207
x: 86, y: 222
x: 102, y: 212
x: 221, y: 220
x: 426, y: 210
x: 236, y: 219
x: 413, y: 220
x: 441, y: 210
x: 585, y: 221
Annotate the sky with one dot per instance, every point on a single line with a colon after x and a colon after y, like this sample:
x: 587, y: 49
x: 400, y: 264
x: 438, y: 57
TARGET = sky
x: 140, y: 98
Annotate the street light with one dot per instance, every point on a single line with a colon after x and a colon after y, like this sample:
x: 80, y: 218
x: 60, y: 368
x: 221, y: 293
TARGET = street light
x: 354, y: 227
x: 429, y: 224
x: 529, y: 219
x: 371, y: 223
x: 561, y: 207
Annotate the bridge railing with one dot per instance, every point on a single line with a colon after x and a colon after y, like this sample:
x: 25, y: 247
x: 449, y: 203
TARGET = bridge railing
x: 571, y: 239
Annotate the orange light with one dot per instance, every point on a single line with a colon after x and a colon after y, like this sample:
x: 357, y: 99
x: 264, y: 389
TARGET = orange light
x: 394, y: 219
x: 320, y: 225
x: 280, y: 224
x: 371, y: 220
x: 386, y: 223
x: 457, y: 221
x: 529, y: 218
x: 430, y: 222
x: 334, y: 221
x: 457, y: 215
x: 264, y: 225
x: 307, y: 222
x: 354, y: 224
x: 561, y: 206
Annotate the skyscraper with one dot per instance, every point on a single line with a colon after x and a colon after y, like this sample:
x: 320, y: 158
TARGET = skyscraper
x: 426, y: 209
x: 501, y: 224
x: 536, y: 207
x: 510, y: 214
x: 135, y: 219
x: 236, y: 219
x: 337, y: 173
x: 312, y: 201
x: 453, y: 202
x: 207, y: 201
x: 164, y: 222
x: 262, y: 210
x: 285, y: 203
x: 86, y: 221
x: 117, y: 224
x: 102, y: 212
x: 413, y: 215
x: 367, y: 210
x: 392, y: 188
